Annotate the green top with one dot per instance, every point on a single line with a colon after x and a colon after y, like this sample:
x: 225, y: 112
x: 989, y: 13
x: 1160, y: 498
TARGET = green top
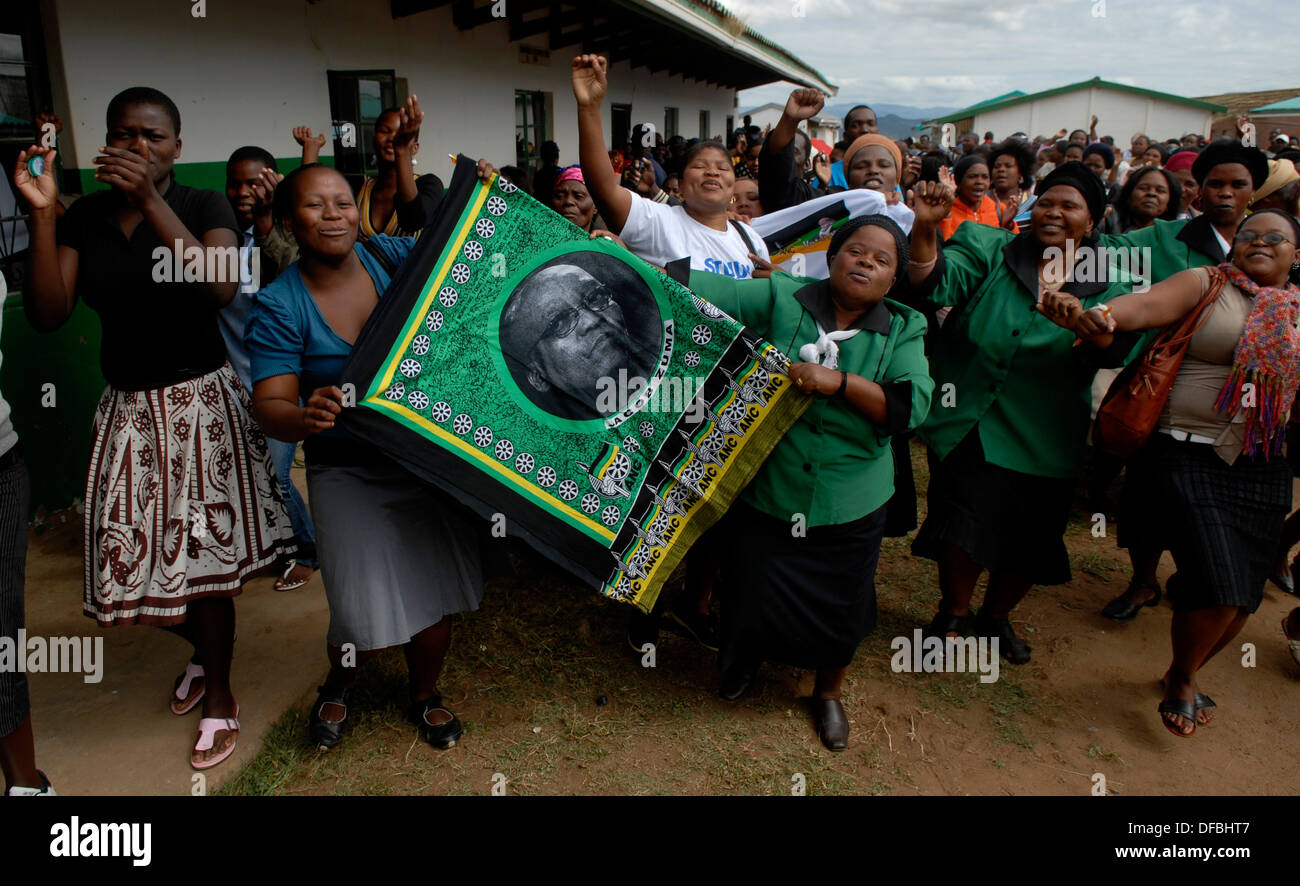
x: 1175, y: 245
x: 1002, y: 367
x: 834, y: 465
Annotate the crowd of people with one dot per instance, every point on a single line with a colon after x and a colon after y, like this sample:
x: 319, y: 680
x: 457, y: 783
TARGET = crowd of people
x: 966, y: 331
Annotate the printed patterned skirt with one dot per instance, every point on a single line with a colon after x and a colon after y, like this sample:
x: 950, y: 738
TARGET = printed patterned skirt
x: 181, y: 500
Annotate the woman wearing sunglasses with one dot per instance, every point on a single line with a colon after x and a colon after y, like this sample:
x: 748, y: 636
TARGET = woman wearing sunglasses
x: 1220, y: 488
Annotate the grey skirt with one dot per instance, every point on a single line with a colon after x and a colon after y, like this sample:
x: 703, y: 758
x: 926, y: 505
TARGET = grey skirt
x: 396, y: 555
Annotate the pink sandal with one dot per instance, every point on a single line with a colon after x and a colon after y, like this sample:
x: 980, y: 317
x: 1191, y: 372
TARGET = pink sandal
x: 183, y: 700
x: 208, y: 728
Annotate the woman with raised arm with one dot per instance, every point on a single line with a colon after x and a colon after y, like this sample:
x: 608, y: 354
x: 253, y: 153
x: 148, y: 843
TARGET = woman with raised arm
x: 398, y: 558
x: 395, y: 202
x: 182, y: 505
x: 1219, y: 487
x: 1011, y: 410
x: 699, y: 230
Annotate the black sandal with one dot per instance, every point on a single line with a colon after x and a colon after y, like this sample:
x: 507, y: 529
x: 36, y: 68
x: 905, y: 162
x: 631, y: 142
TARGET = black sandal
x: 328, y: 733
x: 442, y: 736
x: 1184, y: 709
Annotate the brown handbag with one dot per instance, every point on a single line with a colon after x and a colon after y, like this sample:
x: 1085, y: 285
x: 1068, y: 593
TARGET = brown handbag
x: 1132, y: 406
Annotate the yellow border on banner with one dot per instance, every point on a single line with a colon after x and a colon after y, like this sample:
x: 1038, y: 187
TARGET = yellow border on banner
x: 380, y: 401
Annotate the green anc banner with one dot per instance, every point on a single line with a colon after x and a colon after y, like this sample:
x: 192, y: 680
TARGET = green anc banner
x: 607, y: 412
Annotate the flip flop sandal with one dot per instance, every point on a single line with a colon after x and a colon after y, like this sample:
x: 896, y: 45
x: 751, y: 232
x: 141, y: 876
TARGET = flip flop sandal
x: 1184, y: 709
x: 1203, y: 702
x: 208, y: 728
x: 186, y: 696
x: 283, y: 583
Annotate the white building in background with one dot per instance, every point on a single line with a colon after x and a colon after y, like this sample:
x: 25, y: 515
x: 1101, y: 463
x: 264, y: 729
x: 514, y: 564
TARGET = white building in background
x: 1121, y: 111
x: 248, y: 71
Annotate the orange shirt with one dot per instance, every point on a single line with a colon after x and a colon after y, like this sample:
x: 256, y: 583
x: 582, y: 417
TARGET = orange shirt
x: 986, y: 214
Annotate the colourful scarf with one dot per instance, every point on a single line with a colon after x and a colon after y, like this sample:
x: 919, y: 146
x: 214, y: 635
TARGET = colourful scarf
x: 1268, y: 358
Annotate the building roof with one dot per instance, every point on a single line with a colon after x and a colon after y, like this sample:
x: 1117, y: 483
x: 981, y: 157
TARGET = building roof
x: 1012, y: 99
x: 699, y: 39
x: 757, y: 108
x: 1235, y: 103
x: 1290, y: 105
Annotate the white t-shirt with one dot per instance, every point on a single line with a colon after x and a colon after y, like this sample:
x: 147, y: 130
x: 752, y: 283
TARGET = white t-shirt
x: 660, y: 234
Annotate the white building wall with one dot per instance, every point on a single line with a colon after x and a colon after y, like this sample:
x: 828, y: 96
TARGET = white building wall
x: 251, y: 70
x: 1120, y: 114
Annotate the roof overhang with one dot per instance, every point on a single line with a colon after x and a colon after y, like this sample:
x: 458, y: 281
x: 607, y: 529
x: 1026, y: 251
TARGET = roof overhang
x: 698, y: 39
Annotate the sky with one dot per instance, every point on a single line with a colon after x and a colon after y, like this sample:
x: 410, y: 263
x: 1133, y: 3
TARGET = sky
x: 958, y: 52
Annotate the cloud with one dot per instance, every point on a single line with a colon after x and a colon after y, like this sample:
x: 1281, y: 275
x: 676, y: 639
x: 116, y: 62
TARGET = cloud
x: 958, y: 52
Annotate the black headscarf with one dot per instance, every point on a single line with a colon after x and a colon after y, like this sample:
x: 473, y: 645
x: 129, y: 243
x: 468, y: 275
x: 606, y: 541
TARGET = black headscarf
x: 1229, y: 150
x: 1075, y: 175
x: 845, y: 231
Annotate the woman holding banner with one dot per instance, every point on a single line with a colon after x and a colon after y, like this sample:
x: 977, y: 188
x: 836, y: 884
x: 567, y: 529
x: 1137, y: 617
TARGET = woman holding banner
x: 398, y: 558
x: 804, y: 594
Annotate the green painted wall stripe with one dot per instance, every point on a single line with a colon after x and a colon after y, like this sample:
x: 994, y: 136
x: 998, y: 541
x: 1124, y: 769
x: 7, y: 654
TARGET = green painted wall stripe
x: 208, y: 176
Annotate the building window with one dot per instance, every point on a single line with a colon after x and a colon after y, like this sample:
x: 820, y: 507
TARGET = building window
x: 704, y: 125
x: 731, y: 127
x: 670, y: 123
x: 620, y: 126
x: 530, y: 127
x: 357, y: 98
x: 24, y: 93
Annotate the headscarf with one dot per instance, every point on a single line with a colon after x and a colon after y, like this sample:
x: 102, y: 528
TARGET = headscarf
x: 1075, y: 175
x: 1280, y: 174
x: 1229, y: 150
x: 1103, y: 150
x: 873, y: 138
x: 570, y: 173
x: 1181, y: 160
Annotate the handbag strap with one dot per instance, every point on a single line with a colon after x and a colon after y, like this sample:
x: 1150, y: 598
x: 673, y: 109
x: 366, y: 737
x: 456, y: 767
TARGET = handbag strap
x: 1178, y: 336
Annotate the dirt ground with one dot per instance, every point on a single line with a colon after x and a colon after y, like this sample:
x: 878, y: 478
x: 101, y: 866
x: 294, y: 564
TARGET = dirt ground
x: 554, y: 702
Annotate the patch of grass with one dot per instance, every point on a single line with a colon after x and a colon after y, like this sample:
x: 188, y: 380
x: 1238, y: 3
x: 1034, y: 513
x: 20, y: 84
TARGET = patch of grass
x: 1097, y: 752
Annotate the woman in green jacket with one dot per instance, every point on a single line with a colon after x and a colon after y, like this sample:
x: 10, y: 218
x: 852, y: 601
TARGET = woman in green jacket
x: 807, y: 532
x: 1007, y: 431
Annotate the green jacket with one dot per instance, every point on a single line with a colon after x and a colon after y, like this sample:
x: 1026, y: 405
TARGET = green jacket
x: 1175, y: 245
x: 834, y: 465
x: 1001, y: 367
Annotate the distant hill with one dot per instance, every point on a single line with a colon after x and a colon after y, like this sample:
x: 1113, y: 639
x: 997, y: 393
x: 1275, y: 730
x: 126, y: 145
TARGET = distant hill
x: 895, y: 121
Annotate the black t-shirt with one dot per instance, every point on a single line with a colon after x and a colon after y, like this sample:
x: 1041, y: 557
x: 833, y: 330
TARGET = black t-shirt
x: 155, y: 334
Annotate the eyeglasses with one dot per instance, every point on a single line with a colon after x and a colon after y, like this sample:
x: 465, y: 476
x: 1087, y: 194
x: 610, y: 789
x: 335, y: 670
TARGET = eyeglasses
x: 1272, y: 238
x: 563, y: 323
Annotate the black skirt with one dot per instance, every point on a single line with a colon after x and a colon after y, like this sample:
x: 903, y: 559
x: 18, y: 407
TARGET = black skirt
x: 900, y: 510
x: 805, y: 601
x: 1223, y: 522
x: 1006, y: 521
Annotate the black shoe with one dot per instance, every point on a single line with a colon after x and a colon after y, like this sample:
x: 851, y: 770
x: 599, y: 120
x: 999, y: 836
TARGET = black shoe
x: 945, y: 623
x: 442, y: 736
x: 327, y: 734
x: 736, y: 681
x: 642, y: 629
x: 832, y: 723
x: 1120, y: 609
x: 1012, y: 648
x: 700, y: 627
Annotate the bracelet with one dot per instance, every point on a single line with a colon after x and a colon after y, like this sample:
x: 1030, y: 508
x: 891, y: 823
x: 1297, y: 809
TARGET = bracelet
x: 844, y: 384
